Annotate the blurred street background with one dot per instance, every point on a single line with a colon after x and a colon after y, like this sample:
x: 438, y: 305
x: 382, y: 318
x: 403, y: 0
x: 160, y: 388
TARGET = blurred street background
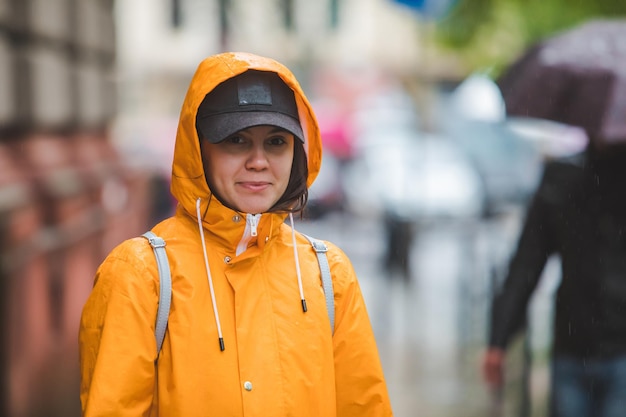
x: 424, y: 179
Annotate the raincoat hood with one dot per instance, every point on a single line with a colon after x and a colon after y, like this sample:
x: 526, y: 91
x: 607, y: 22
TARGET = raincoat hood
x: 188, y: 180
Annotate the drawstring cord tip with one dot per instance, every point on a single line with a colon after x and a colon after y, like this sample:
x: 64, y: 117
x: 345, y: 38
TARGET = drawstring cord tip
x: 221, y: 344
x: 304, y: 309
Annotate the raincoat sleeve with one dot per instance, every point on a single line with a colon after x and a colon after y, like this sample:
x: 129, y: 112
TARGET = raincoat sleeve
x: 116, y: 335
x: 536, y: 243
x: 360, y: 383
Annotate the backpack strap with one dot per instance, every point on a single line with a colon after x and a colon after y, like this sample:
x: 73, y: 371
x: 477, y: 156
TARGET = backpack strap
x: 165, y: 282
x: 327, y: 281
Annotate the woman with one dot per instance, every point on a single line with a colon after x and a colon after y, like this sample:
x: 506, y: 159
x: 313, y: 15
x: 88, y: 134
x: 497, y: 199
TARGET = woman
x: 248, y: 332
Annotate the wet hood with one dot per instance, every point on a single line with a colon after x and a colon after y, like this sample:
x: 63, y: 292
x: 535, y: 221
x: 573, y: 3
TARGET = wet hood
x: 188, y: 181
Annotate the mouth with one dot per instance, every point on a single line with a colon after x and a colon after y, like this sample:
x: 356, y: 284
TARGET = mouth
x: 254, y: 186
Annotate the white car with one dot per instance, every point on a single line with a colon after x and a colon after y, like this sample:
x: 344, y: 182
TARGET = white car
x: 412, y: 174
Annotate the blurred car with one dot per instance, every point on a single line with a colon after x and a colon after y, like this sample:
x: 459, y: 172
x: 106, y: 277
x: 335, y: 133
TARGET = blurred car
x: 343, y: 133
x: 409, y: 174
x: 473, y: 116
x: 509, y: 166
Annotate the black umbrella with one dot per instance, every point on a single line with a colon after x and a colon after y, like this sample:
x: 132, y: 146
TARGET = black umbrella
x: 577, y: 77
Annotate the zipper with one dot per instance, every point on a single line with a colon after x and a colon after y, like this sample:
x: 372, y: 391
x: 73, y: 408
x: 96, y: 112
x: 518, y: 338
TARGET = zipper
x: 252, y: 223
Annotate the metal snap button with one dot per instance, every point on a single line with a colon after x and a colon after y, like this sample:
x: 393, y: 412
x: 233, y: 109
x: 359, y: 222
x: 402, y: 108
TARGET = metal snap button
x: 247, y: 386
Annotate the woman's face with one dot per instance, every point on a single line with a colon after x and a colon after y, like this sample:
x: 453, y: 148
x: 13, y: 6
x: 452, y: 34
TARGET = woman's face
x: 249, y: 170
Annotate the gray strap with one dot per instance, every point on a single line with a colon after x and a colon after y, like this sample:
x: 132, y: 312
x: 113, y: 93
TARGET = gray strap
x: 327, y: 280
x: 165, y: 282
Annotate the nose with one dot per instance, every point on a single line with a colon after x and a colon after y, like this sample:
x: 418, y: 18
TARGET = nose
x: 257, y: 159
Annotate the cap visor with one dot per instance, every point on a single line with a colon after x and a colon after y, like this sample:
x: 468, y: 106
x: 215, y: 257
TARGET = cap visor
x: 218, y: 127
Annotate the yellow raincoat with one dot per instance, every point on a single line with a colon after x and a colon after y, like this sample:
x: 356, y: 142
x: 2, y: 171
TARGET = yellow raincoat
x: 278, y: 360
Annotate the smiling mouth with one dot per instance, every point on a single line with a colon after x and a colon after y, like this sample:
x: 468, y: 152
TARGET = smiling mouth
x: 255, y: 186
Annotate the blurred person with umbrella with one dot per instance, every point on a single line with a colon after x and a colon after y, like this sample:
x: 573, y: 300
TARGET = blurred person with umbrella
x: 578, y: 212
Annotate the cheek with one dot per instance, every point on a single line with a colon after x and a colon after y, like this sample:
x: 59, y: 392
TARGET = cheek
x: 212, y: 169
x: 285, y: 170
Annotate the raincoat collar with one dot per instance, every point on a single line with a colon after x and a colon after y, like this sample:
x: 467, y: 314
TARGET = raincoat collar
x: 188, y: 180
x: 226, y: 227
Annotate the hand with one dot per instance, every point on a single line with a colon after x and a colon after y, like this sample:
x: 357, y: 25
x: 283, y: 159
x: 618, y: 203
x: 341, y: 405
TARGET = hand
x: 493, y: 367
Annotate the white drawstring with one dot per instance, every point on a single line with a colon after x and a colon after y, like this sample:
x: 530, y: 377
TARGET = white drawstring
x: 295, y: 255
x: 208, y: 273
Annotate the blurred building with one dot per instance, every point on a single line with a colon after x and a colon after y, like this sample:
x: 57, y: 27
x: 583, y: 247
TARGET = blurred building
x: 66, y: 196
x: 90, y: 92
x: 338, y: 43
x: 174, y: 35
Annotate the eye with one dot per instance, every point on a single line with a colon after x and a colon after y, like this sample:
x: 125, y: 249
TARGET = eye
x: 235, y: 139
x: 277, y: 140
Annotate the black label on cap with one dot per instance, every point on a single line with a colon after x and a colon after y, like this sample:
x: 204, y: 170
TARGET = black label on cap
x: 254, y: 91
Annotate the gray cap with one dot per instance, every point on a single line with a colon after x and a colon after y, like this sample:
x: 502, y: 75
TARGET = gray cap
x: 253, y: 98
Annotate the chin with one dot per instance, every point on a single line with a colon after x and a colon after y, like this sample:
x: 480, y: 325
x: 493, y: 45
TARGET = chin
x: 254, y: 209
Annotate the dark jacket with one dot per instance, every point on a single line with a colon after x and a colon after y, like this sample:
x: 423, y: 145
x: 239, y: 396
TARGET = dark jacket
x: 578, y: 213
